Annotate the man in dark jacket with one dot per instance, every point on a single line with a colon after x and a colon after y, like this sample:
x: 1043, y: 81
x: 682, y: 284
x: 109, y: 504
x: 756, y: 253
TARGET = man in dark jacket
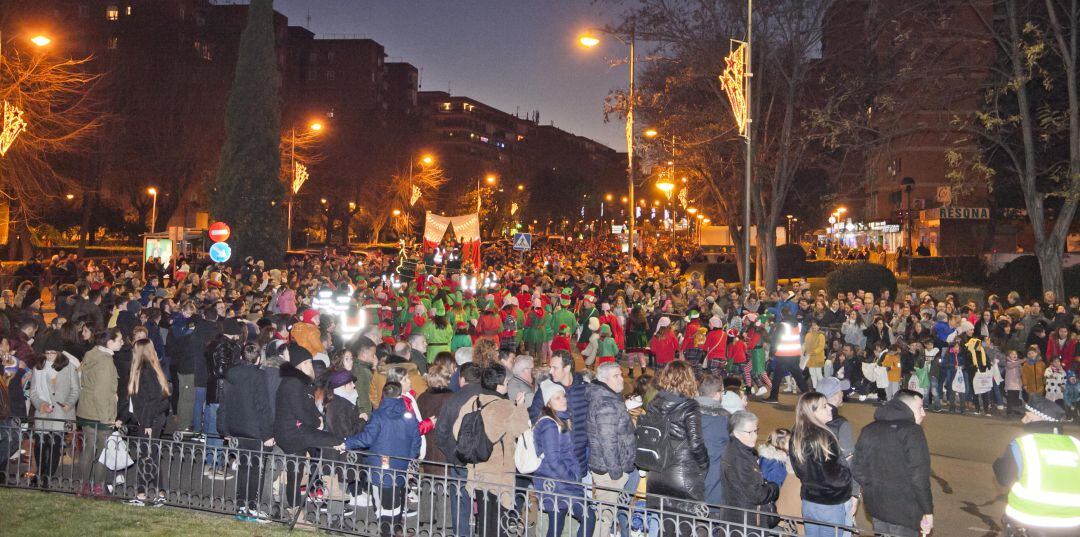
x: 612, y: 445
x: 741, y: 480
x: 892, y: 463
x: 562, y: 372
x: 181, y: 326
x: 206, y: 329
x: 461, y: 507
x: 245, y: 415
x: 714, y: 427
x: 223, y: 353
x: 297, y: 419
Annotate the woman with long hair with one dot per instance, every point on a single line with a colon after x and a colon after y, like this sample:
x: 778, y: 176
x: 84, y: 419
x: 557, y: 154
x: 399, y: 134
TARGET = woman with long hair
x: 149, y: 392
x: 560, y: 470
x: 684, y: 476
x: 815, y: 456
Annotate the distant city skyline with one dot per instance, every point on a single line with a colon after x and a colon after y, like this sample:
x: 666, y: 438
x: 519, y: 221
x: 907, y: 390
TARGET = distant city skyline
x: 519, y: 56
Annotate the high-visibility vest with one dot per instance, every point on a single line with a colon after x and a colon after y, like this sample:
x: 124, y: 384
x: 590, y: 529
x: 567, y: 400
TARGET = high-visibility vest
x: 788, y: 344
x: 1047, y: 494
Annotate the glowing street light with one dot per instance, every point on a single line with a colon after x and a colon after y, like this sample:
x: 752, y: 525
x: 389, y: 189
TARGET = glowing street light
x: 153, y: 212
x: 427, y: 160
x: 651, y: 133
x: 666, y: 186
x: 70, y: 197
x: 609, y: 197
x: 40, y: 40
x: 588, y: 40
x: 692, y: 210
x: 315, y: 126
x: 299, y: 176
x: 520, y: 188
x: 397, y: 212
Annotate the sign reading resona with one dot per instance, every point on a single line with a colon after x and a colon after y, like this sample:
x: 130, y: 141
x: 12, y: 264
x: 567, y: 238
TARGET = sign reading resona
x: 956, y: 213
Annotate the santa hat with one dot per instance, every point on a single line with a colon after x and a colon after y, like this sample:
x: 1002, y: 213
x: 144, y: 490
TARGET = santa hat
x: 594, y: 324
x: 590, y: 296
x: 732, y: 332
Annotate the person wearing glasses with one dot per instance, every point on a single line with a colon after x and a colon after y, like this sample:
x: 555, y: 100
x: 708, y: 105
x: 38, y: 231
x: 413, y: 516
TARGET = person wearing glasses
x: 744, y: 486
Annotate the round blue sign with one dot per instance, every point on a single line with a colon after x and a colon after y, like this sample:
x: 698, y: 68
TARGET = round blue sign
x: 220, y: 252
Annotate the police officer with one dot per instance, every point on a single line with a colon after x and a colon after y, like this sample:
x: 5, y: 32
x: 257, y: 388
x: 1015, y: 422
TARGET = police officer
x: 1042, y: 469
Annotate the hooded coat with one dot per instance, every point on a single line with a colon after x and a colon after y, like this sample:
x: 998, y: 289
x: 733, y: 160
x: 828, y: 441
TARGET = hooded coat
x: 392, y: 432
x: 612, y: 446
x: 684, y: 478
x: 892, y: 463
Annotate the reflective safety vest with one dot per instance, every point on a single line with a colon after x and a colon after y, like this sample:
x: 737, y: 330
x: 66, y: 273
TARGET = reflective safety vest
x: 788, y: 344
x: 1047, y: 494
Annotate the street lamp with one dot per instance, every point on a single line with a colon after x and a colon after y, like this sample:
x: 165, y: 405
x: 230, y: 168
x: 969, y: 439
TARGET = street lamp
x: 294, y: 187
x: 651, y: 133
x: 425, y: 161
x: 589, y: 40
x: 666, y: 186
x: 153, y: 211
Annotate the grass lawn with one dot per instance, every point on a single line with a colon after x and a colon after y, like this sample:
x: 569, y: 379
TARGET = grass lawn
x: 29, y: 513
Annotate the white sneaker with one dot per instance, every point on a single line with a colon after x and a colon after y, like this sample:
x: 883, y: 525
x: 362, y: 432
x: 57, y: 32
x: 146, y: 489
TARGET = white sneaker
x: 862, y: 398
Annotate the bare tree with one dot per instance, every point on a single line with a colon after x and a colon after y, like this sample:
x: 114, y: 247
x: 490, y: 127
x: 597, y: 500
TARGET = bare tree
x: 396, y: 193
x: 1032, y: 110
x: 61, y: 116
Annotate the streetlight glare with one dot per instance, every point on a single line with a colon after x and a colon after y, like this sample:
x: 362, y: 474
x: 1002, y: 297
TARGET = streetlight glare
x: 521, y: 187
x: 588, y: 40
x: 397, y: 212
x: 490, y: 179
x: 70, y: 196
x: 608, y: 197
x: 692, y: 210
x: 427, y: 159
x: 651, y: 133
x: 40, y: 40
x: 315, y: 126
x: 152, y: 191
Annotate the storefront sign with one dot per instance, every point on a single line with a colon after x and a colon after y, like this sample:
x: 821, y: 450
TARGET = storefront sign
x: 884, y: 227
x: 956, y: 213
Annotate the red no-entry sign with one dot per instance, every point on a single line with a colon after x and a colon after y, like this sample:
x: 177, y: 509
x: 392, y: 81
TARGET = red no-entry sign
x: 219, y: 231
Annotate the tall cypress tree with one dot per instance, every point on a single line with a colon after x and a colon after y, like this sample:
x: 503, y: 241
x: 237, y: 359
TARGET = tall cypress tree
x: 247, y: 184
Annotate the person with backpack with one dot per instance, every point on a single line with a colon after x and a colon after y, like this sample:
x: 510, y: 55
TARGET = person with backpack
x: 486, y: 430
x: 612, y: 445
x: 458, y: 497
x: 684, y: 461
x: 560, y: 471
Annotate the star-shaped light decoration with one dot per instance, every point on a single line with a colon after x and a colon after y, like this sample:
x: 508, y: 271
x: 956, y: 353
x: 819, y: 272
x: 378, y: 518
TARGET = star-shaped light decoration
x: 13, y: 125
x: 733, y: 80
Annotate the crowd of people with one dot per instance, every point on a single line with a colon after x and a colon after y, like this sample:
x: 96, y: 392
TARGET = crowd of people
x: 559, y: 369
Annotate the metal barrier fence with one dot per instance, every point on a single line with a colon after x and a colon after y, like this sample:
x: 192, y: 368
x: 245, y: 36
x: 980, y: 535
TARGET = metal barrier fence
x: 352, y: 493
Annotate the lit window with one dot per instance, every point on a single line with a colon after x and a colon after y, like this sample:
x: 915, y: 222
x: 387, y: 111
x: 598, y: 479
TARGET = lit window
x: 127, y: 11
x: 112, y: 13
x: 447, y: 106
x: 330, y: 75
x: 113, y: 43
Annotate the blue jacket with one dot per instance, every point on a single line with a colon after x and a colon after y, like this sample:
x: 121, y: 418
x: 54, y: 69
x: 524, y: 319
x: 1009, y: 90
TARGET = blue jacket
x: 773, y: 470
x: 559, y: 463
x: 714, y: 427
x: 941, y: 333
x: 392, y: 432
x: 578, y: 405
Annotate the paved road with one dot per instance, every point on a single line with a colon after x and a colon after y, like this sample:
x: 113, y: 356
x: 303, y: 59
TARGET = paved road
x: 967, y: 500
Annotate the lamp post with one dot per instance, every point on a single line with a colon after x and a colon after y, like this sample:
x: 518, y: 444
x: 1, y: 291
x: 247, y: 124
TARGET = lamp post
x: 153, y: 211
x: 425, y: 160
x: 588, y: 40
x: 909, y: 183
x: 314, y: 127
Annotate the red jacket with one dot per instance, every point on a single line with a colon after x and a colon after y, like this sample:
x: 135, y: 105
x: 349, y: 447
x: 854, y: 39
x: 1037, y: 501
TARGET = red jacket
x: 688, y: 334
x: 1066, y: 352
x: 664, y: 349
x: 616, y: 329
x: 716, y: 344
x: 737, y: 352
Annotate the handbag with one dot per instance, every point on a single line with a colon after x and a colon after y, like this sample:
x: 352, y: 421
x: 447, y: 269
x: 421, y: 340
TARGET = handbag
x: 959, y: 384
x: 115, y: 456
x: 982, y: 382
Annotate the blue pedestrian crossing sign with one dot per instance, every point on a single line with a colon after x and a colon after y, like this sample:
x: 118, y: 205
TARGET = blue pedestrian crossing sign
x: 523, y: 241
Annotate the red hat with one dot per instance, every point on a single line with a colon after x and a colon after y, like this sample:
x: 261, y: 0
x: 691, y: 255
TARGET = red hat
x: 590, y: 296
x: 309, y: 315
x: 563, y: 329
x: 461, y: 324
x: 732, y: 332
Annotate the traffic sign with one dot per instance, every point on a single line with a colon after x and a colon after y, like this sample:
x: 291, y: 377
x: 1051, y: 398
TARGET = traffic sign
x: 219, y: 232
x: 220, y: 252
x: 523, y: 241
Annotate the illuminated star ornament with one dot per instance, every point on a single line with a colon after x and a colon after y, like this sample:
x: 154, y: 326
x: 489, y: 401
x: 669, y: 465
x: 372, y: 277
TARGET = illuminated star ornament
x: 415, y: 195
x: 13, y: 125
x: 682, y: 197
x: 299, y: 177
x: 733, y: 80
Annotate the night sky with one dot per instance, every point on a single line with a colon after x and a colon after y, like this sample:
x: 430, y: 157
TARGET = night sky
x: 511, y: 54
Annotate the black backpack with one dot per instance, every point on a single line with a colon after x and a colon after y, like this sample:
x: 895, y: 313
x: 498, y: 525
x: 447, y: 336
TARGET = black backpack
x: 473, y: 444
x: 653, y: 443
